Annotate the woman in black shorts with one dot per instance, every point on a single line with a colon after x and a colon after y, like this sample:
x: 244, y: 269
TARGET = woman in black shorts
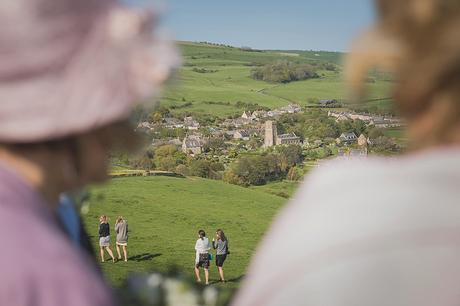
x: 220, y: 243
x: 202, y: 256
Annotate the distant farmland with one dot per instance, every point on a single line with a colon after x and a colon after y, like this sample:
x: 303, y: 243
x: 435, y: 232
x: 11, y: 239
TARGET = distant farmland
x: 224, y: 79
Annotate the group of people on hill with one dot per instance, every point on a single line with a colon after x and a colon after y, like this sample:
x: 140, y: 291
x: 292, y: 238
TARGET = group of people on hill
x: 202, y: 246
x: 203, y: 257
x: 121, y: 228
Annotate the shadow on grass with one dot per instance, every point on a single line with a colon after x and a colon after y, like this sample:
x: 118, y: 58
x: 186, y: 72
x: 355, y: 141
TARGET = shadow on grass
x: 233, y: 280
x: 144, y: 257
x: 236, y: 279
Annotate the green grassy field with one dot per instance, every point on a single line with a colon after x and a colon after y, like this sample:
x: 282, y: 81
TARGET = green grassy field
x: 230, y: 80
x: 284, y: 189
x: 398, y: 133
x: 165, y: 213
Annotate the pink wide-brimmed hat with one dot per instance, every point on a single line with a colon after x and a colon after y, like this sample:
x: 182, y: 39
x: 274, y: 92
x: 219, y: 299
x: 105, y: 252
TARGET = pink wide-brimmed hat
x: 69, y: 66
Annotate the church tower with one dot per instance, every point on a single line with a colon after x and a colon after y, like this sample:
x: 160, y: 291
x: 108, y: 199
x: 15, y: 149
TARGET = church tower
x: 270, y: 134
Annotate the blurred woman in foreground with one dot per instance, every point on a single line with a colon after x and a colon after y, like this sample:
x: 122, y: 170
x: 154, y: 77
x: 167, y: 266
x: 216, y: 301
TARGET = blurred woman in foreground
x: 381, y: 231
x: 70, y: 73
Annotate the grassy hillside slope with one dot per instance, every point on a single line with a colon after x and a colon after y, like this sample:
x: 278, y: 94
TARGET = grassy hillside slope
x: 164, y: 215
x: 228, y: 80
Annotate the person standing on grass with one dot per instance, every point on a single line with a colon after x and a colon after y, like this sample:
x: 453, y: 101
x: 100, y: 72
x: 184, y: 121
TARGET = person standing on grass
x: 121, y: 228
x: 202, y: 256
x: 104, y: 237
x: 220, y: 244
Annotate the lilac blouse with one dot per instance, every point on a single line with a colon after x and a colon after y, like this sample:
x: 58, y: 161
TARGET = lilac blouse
x: 38, y: 264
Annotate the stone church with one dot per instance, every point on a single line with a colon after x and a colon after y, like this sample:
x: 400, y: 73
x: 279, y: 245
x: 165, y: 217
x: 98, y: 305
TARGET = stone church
x: 272, y: 138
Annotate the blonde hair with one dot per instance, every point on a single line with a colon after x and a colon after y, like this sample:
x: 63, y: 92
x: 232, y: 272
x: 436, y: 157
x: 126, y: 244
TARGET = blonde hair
x: 119, y: 219
x: 418, y: 41
x: 103, y: 219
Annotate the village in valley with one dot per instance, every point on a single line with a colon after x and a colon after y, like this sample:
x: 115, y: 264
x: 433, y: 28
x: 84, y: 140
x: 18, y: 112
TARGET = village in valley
x: 191, y: 145
x: 253, y: 117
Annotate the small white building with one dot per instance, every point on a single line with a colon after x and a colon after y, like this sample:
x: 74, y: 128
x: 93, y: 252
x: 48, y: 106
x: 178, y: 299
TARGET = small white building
x: 144, y: 125
x: 242, y: 134
x: 347, y: 138
x: 290, y: 138
x: 191, y: 124
x: 173, y: 123
x: 192, y: 145
x: 246, y: 115
x: 291, y: 109
x: 362, y: 140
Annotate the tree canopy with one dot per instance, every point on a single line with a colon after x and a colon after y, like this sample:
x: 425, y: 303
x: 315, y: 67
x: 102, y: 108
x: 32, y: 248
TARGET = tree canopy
x: 284, y: 72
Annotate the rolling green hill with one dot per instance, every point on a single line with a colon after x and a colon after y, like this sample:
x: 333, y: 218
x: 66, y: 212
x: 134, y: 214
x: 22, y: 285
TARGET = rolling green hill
x: 226, y: 80
x: 164, y: 215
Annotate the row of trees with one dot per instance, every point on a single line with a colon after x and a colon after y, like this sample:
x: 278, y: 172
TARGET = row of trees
x: 284, y: 72
x: 260, y: 169
x: 247, y: 170
x: 169, y: 158
x: 204, y: 70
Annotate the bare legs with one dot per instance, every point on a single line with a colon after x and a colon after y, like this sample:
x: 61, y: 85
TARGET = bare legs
x: 125, y: 252
x: 118, y: 252
x: 221, y: 274
x: 206, y: 275
x: 108, y: 251
x: 197, y: 274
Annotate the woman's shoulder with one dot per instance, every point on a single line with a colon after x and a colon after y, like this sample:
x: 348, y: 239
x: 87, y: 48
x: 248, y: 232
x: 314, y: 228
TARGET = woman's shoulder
x: 338, y: 169
x: 337, y: 177
x: 375, y: 173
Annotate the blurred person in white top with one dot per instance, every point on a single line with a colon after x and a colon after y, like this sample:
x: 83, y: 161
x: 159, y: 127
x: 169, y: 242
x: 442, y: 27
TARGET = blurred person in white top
x: 381, y: 231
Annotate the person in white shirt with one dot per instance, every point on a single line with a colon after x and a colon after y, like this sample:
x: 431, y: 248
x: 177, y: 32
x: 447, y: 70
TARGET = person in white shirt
x: 380, y: 231
x: 202, y: 248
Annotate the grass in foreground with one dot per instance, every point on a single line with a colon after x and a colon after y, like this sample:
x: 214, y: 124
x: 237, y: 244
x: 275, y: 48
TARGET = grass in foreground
x: 164, y: 215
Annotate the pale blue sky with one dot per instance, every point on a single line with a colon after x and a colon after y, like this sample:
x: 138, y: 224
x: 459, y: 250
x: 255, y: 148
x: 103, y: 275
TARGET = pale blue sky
x: 293, y: 24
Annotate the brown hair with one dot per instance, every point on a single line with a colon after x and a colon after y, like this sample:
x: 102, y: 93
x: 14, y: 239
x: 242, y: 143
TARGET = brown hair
x: 221, y: 235
x: 419, y: 42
